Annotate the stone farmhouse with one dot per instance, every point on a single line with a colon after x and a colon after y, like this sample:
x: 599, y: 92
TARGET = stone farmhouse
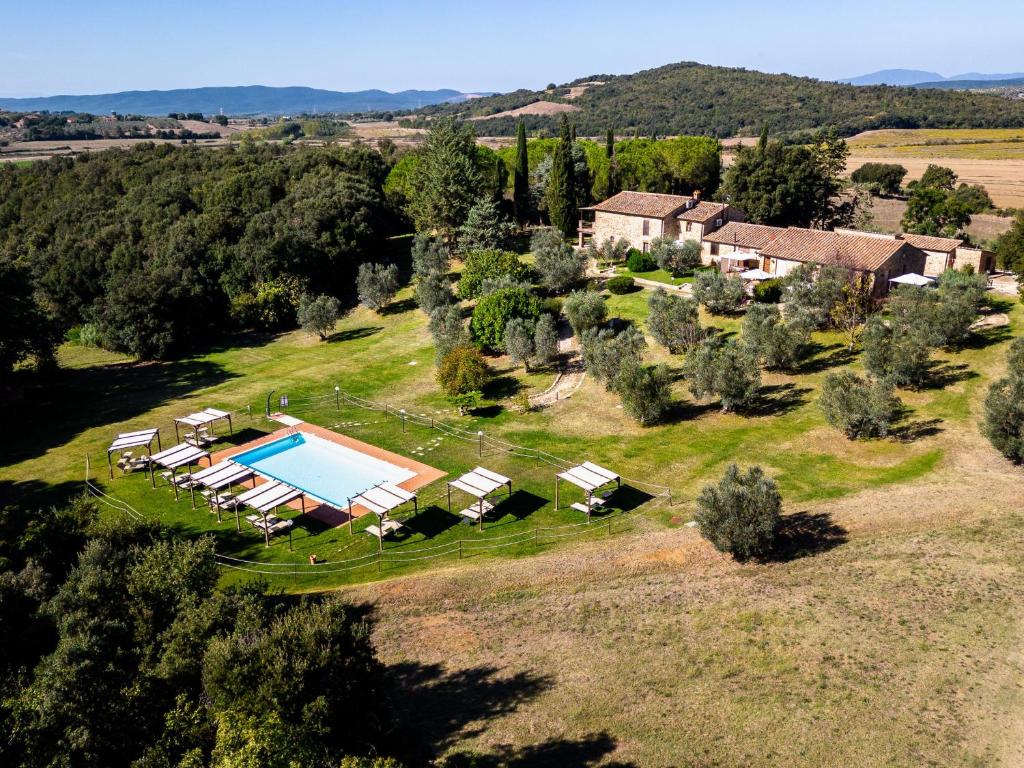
x: 728, y: 241
x: 640, y: 217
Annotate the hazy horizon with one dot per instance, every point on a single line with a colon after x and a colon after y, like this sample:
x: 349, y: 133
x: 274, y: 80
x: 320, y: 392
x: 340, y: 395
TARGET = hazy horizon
x: 112, y: 45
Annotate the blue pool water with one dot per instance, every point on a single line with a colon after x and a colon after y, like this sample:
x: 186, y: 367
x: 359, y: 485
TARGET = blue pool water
x: 330, y: 472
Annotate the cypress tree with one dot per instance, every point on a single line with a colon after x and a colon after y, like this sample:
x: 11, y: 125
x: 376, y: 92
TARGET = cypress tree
x: 609, y: 151
x: 521, y: 178
x: 561, y: 190
x: 572, y: 133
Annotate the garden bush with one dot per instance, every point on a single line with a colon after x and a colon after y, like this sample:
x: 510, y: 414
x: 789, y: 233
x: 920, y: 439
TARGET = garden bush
x: 482, y: 265
x: 741, y: 513
x: 620, y: 285
x: 721, y: 295
x: 723, y: 369
x: 585, y: 309
x: 645, y: 390
x: 493, y: 312
x: 639, y: 261
x: 1004, y: 407
x: 674, y: 321
x: 768, y: 291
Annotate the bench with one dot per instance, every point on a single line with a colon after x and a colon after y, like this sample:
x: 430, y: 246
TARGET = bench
x: 389, y: 526
x: 472, y: 512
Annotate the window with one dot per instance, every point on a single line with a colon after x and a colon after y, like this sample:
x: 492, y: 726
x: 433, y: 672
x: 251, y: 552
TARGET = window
x: 718, y: 222
x: 647, y: 227
x: 689, y: 226
x: 647, y: 246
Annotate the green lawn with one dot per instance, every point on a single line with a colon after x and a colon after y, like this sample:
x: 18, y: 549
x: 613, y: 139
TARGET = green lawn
x: 390, y: 359
x: 657, y: 275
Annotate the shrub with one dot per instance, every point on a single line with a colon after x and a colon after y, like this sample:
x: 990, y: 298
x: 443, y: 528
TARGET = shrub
x: 859, y: 407
x: 559, y: 265
x: 611, y: 251
x: 483, y: 265
x: 639, y: 261
x: 899, y: 350
x: 674, y: 257
x: 961, y: 295
x: 674, y: 321
x: 462, y: 370
x: 886, y: 177
x: 272, y: 306
x: 718, y: 293
x: 545, y: 339
x: 1004, y: 407
x: 428, y: 255
x: 604, y: 352
x: 518, y: 341
x: 318, y: 315
x: 585, y: 309
x: 723, y: 369
x: 620, y: 285
x: 377, y: 285
x: 741, y: 513
x: 646, y: 390
x: 776, y: 344
x: 448, y: 330
x: 433, y: 290
x: 768, y: 291
x: 493, y: 312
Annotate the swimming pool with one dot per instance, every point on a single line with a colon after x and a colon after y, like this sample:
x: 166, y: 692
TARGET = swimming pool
x: 330, y: 472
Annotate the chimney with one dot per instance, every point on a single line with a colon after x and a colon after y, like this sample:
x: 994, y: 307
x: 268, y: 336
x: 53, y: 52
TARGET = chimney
x: 696, y: 195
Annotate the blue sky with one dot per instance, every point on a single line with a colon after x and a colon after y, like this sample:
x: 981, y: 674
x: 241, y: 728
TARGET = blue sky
x: 111, y: 45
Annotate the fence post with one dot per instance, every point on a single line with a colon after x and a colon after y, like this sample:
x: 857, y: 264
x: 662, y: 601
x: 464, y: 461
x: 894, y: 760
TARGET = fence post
x: 460, y: 549
x: 402, y: 412
x: 379, y: 553
x: 337, y: 397
x: 609, y: 526
x: 248, y: 408
x: 385, y: 411
x: 480, y: 447
x: 670, y: 497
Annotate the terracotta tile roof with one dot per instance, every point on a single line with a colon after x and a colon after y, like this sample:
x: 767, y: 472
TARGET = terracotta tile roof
x: 702, y: 211
x: 746, y: 235
x: 928, y: 243
x: 650, y: 204
x: 861, y: 252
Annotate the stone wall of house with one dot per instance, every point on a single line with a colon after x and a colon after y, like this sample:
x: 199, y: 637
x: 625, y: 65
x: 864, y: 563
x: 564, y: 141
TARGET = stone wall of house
x: 935, y: 263
x: 631, y: 228
x: 980, y: 260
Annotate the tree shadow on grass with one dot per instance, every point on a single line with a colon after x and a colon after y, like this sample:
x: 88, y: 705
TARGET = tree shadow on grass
x: 398, y: 307
x: 435, y: 709
x: 553, y: 753
x: 777, y: 399
x: 502, y: 387
x: 240, y: 437
x: 685, y: 410
x: 907, y: 431
x: 804, y: 534
x: 433, y: 521
x: 60, y: 405
x: 941, y: 375
x: 817, y: 360
x: 351, y: 334
x: 985, y: 337
x: 37, y: 494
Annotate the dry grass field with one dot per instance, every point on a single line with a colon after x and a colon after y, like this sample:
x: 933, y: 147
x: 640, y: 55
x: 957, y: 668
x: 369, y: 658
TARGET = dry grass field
x: 536, y: 108
x: 887, y: 213
x: 993, y: 158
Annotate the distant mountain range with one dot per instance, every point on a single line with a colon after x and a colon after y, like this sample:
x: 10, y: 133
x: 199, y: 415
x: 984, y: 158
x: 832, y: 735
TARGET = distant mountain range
x: 237, y: 100
x: 923, y: 78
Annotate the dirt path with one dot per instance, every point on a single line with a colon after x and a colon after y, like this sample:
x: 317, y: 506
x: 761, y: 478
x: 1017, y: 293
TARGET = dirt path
x: 571, y: 375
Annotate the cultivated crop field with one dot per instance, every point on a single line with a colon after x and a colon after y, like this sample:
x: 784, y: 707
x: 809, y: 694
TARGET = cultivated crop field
x: 887, y: 633
x: 991, y: 157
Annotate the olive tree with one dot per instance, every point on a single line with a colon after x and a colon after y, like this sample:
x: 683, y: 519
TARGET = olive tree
x: 1004, y: 407
x: 428, y: 255
x: 773, y: 342
x: 859, y: 407
x: 673, y: 321
x: 741, y: 513
x: 718, y: 293
x: 675, y: 257
x: 559, y: 265
x: 645, y: 390
x: 377, y: 285
x: 585, y: 309
x: 518, y: 342
x: 318, y: 315
x: 723, y: 369
x: 448, y: 329
x: 433, y: 290
x: 604, y: 352
x: 898, y: 349
x: 545, y: 339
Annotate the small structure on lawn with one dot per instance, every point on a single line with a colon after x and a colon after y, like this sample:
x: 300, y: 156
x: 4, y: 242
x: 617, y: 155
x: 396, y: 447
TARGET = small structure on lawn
x: 123, y: 444
x: 912, y: 278
x: 201, y: 421
x: 181, y: 455
x: 590, y: 477
x: 382, y: 499
x: 265, y: 499
x: 479, y: 484
x: 220, y: 476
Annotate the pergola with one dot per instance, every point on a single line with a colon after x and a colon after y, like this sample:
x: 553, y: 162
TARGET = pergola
x: 223, y: 475
x: 381, y: 500
x: 589, y: 477
x: 266, y: 498
x: 125, y: 440
x: 181, y: 455
x: 203, y: 418
x: 479, y: 484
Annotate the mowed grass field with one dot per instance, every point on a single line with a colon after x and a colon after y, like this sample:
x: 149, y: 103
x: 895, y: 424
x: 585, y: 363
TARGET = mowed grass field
x: 991, y: 157
x: 887, y: 633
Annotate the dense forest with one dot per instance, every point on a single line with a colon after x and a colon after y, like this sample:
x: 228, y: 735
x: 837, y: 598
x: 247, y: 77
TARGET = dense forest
x: 689, y: 98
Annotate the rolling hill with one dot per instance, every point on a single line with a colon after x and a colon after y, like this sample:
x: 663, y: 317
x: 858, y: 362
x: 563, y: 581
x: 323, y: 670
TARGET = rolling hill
x: 980, y: 83
x: 235, y: 100
x: 894, y: 77
x: 690, y: 98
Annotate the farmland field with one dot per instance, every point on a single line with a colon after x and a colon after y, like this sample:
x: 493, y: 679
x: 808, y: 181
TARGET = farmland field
x: 993, y: 158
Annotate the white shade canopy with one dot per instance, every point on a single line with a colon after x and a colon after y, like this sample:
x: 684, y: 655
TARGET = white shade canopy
x: 133, y: 439
x: 179, y: 456
x: 756, y: 274
x: 912, y: 278
x: 383, y: 498
x: 222, y: 474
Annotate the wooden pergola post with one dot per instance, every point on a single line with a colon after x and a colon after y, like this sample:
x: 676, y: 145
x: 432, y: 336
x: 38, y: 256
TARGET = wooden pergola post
x: 556, y: 493
x: 350, y: 517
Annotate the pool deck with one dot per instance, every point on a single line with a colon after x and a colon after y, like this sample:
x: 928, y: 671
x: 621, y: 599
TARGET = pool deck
x: 424, y: 474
